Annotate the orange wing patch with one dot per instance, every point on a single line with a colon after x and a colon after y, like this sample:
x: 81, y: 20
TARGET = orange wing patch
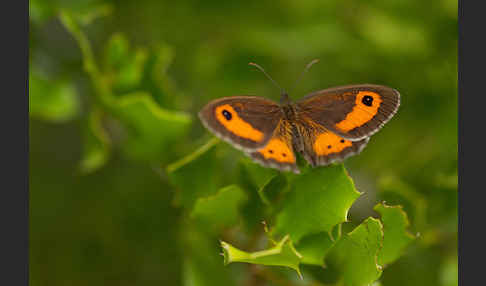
x: 227, y: 116
x: 278, y: 150
x: 327, y: 143
x: 367, y: 104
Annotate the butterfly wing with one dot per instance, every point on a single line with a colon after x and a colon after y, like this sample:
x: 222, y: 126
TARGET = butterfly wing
x: 247, y: 122
x: 353, y: 112
x: 278, y: 152
x: 321, y: 147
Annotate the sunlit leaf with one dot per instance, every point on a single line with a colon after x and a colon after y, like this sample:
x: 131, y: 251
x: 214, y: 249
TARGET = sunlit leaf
x: 317, y: 201
x: 124, y: 66
x: 55, y: 101
x: 117, y: 49
x: 219, y: 210
x: 282, y: 254
x: 150, y: 130
x: 396, y: 238
x: 355, y: 254
x: 314, y: 248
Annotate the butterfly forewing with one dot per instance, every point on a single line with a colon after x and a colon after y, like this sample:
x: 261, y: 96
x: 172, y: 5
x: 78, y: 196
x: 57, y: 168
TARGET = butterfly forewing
x: 353, y: 112
x: 247, y: 122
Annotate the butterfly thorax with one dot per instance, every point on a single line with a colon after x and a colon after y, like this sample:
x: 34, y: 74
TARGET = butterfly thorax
x: 289, y: 111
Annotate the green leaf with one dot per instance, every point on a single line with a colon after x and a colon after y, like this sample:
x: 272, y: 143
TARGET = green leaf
x: 396, y: 191
x: 396, y: 238
x: 318, y: 200
x: 117, y: 50
x: 55, y: 101
x: 314, y: 248
x: 125, y: 67
x: 271, y: 191
x: 355, y: 254
x: 282, y: 254
x: 97, y: 144
x: 220, y: 210
x: 254, y: 174
x: 195, y: 175
x: 150, y: 130
x: 253, y: 212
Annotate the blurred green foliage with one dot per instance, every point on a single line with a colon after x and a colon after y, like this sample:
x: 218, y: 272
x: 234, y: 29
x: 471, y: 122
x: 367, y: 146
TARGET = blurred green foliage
x: 128, y: 188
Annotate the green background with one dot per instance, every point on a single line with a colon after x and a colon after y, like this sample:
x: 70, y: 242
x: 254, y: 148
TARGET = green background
x: 118, y: 220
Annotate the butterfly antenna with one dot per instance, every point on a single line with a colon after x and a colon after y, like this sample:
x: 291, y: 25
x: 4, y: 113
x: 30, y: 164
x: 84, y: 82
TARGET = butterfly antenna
x: 307, y: 67
x: 269, y: 77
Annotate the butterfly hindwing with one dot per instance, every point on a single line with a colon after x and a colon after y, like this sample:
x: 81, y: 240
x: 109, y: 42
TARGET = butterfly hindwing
x: 327, y: 148
x: 278, y: 152
x: 353, y: 112
x: 321, y: 147
x: 247, y: 122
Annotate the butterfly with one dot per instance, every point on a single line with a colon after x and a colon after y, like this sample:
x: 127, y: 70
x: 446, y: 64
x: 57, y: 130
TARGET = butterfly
x: 325, y: 126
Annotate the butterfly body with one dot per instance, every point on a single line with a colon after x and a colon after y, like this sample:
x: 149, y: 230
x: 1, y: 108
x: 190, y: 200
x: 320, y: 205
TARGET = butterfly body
x: 325, y: 126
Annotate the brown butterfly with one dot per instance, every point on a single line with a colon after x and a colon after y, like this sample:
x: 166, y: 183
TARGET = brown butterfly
x: 325, y: 126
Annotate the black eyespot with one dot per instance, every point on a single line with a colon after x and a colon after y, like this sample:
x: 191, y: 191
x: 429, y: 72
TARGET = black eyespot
x: 342, y: 140
x: 283, y: 154
x: 270, y: 151
x: 227, y: 114
x: 367, y: 100
x: 328, y: 146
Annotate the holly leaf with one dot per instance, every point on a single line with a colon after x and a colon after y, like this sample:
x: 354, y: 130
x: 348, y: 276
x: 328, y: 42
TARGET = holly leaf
x: 314, y: 248
x: 396, y: 238
x: 254, y: 174
x: 282, y: 254
x: 355, y: 255
x: 251, y: 177
x: 396, y: 191
x: 150, y: 130
x: 195, y: 175
x: 271, y: 191
x: 318, y: 200
x: 124, y: 66
x: 220, y: 210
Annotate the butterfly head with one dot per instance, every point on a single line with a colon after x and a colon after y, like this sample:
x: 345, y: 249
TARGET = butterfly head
x: 284, y: 98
